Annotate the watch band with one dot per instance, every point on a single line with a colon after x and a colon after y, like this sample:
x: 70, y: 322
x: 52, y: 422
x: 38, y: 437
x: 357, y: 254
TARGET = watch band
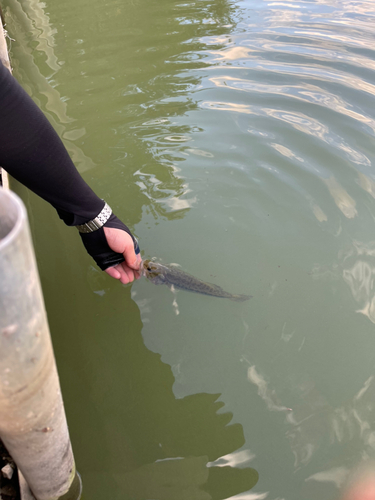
x: 98, y: 222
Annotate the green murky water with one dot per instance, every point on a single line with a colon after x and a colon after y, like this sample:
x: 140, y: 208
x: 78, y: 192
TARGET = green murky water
x: 236, y: 138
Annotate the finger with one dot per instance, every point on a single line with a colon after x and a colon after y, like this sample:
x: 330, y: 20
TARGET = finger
x: 131, y: 258
x: 138, y: 264
x: 127, y: 274
x: 136, y: 274
x: 113, y: 272
x: 121, y: 242
x: 122, y: 272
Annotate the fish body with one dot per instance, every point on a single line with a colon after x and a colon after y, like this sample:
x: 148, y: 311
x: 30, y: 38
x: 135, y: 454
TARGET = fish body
x: 161, y: 274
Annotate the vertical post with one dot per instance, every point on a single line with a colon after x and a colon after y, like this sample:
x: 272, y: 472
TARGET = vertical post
x: 33, y: 425
x: 4, y: 58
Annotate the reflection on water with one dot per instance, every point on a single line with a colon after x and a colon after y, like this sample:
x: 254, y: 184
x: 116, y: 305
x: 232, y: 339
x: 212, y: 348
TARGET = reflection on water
x: 348, y: 423
x: 343, y: 200
x: 30, y: 22
x: 367, y: 183
x: 150, y: 444
x: 264, y: 392
x: 338, y: 476
x: 355, y: 264
x: 361, y: 276
x: 313, y: 423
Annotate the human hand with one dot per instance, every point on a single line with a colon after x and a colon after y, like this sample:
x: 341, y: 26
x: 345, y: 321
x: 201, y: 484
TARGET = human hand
x: 121, y: 242
x: 115, y: 250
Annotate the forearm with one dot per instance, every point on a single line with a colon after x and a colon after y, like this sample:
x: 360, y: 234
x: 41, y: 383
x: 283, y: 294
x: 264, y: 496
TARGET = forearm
x: 32, y: 152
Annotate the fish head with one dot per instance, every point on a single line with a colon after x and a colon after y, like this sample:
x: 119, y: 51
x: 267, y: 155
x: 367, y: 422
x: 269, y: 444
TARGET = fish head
x: 153, y: 271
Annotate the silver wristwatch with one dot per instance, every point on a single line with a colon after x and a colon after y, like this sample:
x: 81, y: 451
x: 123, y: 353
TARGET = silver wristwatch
x: 98, y: 222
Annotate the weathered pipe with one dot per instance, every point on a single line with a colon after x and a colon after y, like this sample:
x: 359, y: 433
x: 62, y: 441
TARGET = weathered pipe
x: 32, y: 418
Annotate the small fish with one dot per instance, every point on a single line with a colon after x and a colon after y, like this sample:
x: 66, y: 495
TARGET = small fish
x: 161, y: 274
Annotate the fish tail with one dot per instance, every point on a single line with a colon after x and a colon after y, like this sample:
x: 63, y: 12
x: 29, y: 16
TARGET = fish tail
x: 240, y: 298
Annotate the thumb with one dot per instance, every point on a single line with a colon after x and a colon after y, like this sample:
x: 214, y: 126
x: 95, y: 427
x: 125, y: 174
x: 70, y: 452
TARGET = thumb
x: 122, y: 242
x: 132, y: 259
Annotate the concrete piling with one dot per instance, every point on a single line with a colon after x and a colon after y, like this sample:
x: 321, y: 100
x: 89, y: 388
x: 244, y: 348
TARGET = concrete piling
x: 33, y: 425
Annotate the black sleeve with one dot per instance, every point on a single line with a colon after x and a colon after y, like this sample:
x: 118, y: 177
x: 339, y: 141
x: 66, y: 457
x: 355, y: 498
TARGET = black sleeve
x: 32, y: 152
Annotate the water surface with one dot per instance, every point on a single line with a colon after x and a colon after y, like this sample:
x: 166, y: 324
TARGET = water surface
x: 235, y: 138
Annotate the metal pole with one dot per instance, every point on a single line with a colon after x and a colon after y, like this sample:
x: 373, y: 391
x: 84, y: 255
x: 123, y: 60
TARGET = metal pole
x: 33, y: 425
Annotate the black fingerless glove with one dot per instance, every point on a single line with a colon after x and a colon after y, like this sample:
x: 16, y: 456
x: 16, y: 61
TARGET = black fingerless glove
x: 97, y: 246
